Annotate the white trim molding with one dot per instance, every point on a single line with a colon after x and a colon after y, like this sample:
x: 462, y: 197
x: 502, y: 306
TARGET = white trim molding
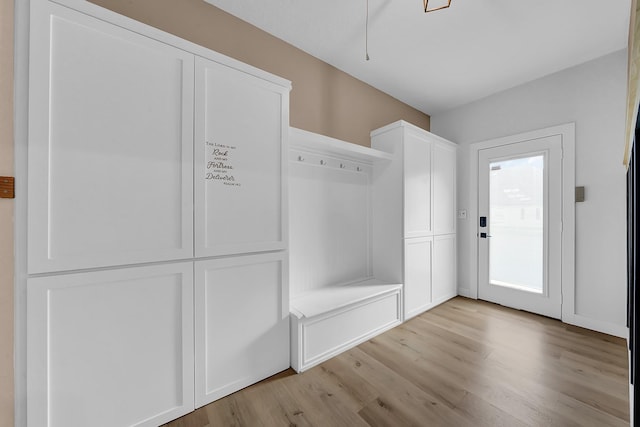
x: 567, y: 133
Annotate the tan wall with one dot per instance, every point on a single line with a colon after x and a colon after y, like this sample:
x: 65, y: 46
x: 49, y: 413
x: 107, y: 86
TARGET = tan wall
x: 6, y: 214
x: 323, y: 100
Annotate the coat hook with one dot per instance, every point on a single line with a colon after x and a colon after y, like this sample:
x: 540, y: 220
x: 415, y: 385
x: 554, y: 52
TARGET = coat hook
x: 322, y: 162
x: 358, y: 169
x: 342, y: 166
x: 300, y: 158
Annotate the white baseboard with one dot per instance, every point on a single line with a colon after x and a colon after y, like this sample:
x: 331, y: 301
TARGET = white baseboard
x: 597, y: 325
x: 575, y: 319
x: 466, y: 292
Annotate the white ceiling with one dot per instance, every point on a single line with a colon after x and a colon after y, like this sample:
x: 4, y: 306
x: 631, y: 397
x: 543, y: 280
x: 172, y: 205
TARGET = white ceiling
x: 440, y: 60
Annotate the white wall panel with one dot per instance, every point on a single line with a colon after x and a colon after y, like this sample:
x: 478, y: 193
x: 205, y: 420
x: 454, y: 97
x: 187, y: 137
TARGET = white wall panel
x: 110, y: 145
x: 242, y: 323
x: 240, y: 154
x: 110, y: 348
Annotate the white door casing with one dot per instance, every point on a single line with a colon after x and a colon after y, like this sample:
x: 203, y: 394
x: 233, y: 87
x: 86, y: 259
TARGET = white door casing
x: 567, y: 252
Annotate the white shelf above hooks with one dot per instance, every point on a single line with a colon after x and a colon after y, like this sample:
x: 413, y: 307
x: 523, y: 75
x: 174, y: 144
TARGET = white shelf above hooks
x: 302, y: 141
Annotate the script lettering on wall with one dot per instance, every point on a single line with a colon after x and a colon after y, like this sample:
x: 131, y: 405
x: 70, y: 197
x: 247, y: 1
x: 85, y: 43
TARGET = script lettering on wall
x: 220, y: 165
x: 239, y: 130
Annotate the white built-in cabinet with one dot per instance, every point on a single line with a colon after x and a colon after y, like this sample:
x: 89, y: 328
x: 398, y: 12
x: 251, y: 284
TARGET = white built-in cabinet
x: 418, y: 268
x: 110, y: 145
x: 242, y: 323
x: 111, y: 348
x: 415, y: 225
x: 417, y: 201
x: 156, y: 171
x: 241, y: 121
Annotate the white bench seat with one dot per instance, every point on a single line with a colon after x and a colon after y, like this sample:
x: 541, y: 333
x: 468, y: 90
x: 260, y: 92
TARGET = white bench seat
x: 332, y: 319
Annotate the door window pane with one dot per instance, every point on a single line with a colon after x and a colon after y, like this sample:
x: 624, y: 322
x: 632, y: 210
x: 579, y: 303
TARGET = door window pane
x: 516, y: 225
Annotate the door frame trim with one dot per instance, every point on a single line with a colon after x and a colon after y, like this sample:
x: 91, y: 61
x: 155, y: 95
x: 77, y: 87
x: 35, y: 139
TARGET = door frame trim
x: 567, y: 134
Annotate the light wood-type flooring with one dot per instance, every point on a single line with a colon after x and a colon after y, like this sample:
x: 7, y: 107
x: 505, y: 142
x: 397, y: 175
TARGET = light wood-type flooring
x: 464, y: 363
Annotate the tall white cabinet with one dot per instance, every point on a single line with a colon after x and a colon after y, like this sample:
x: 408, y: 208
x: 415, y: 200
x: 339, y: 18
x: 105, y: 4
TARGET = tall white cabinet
x: 414, y: 231
x: 157, y: 261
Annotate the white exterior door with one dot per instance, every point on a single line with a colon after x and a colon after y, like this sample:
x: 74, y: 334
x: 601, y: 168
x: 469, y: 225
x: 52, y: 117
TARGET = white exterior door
x: 520, y: 225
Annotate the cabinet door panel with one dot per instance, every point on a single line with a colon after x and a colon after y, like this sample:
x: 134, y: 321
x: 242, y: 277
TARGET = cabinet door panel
x: 417, y: 186
x: 110, y: 348
x: 242, y: 323
x: 444, y: 189
x: 110, y: 145
x: 241, y: 130
x: 417, y: 275
x: 444, y: 268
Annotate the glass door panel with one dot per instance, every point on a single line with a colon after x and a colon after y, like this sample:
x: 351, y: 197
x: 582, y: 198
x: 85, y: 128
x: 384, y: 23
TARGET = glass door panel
x: 516, y: 223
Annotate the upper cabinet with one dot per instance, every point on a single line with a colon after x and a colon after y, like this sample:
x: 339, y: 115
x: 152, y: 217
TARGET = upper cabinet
x: 417, y: 185
x: 110, y: 145
x: 114, y: 118
x: 424, y: 174
x: 443, y: 174
x: 240, y: 161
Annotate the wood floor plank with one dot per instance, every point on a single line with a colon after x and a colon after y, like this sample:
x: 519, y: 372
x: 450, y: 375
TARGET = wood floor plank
x: 197, y: 418
x: 324, y: 405
x: 395, y: 372
x: 494, y: 388
x: 486, y: 414
x: 344, y: 374
x: 463, y: 363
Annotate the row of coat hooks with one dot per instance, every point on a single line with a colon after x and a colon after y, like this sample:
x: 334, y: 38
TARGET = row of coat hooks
x: 342, y: 165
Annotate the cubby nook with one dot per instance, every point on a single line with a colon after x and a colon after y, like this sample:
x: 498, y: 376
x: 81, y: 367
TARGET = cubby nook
x: 336, y: 302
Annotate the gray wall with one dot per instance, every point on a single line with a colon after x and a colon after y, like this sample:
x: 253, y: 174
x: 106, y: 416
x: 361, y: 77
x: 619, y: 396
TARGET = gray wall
x: 593, y: 95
